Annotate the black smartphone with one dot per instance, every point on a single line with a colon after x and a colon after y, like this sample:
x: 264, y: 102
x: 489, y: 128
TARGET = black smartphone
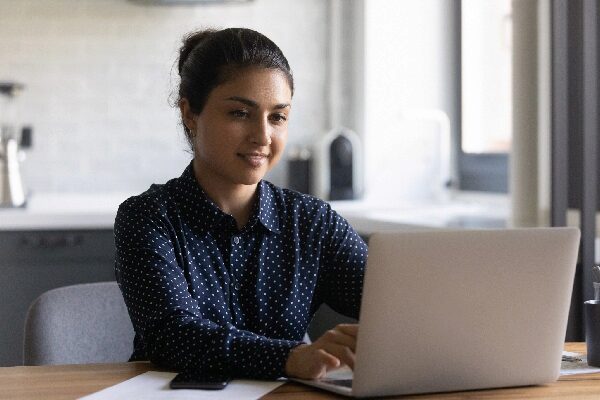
x: 191, y: 380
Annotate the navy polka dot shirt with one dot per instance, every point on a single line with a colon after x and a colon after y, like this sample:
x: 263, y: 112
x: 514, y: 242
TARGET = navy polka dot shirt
x: 206, y: 296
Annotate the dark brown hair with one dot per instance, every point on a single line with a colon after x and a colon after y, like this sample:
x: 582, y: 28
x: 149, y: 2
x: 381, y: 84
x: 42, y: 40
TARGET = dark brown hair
x: 209, y: 58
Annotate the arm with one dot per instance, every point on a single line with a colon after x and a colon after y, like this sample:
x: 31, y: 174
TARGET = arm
x: 343, y: 262
x: 168, y: 318
x: 340, y: 283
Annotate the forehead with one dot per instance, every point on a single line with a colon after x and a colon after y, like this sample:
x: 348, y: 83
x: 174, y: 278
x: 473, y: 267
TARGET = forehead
x: 256, y: 83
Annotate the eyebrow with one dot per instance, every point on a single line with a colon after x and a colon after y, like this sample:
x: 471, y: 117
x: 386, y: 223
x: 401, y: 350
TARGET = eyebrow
x: 252, y: 103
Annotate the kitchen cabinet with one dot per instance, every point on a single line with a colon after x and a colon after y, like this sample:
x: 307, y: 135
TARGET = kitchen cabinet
x: 34, y: 261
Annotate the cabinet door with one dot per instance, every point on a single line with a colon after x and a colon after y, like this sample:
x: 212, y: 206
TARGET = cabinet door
x: 34, y: 262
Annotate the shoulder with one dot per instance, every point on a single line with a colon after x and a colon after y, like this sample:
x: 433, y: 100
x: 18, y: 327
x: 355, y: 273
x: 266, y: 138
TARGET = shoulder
x: 151, y: 200
x: 291, y: 201
x: 305, y: 211
x: 152, y: 204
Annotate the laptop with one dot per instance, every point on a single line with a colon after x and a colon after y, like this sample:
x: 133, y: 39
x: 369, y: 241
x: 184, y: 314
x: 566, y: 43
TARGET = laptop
x: 461, y: 310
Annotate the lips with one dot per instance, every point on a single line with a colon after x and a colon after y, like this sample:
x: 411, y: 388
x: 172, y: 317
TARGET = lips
x: 255, y: 159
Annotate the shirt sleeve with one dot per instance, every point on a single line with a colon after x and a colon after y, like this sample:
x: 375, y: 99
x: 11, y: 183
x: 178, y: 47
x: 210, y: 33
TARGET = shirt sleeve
x: 167, y: 317
x: 343, y: 261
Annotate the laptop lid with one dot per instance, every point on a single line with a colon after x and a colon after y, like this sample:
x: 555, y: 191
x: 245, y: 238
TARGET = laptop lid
x: 466, y: 309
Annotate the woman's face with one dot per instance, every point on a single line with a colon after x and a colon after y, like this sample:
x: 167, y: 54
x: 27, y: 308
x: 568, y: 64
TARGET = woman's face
x: 242, y: 130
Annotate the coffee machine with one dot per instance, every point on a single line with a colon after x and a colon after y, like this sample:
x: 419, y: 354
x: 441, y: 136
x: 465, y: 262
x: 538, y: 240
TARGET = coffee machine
x: 337, y: 172
x: 12, y: 193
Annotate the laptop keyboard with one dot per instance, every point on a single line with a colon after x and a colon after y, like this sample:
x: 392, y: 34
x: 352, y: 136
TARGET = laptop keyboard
x: 339, y: 382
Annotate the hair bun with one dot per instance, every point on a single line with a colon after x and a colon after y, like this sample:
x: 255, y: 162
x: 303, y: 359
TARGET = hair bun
x: 190, y: 42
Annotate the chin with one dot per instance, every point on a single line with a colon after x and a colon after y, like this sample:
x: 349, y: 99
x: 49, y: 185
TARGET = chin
x: 252, y: 179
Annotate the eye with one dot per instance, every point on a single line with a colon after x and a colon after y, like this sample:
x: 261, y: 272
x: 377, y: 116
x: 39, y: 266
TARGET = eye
x: 239, y: 114
x: 278, y: 118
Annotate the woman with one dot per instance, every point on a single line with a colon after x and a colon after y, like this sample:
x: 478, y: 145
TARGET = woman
x: 222, y: 271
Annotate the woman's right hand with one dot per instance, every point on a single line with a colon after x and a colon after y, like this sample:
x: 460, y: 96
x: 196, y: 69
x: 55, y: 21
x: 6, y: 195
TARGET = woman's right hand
x: 333, y: 350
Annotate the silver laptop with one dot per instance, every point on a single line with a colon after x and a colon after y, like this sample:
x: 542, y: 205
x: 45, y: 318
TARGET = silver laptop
x: 461, y: 310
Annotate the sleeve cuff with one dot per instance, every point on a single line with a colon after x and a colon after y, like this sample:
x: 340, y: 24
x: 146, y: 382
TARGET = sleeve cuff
x: 260, y: 357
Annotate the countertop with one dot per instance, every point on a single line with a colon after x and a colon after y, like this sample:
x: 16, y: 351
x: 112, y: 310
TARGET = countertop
x: 52, y: 211
x: 459, y: 211
x: 68, y: 211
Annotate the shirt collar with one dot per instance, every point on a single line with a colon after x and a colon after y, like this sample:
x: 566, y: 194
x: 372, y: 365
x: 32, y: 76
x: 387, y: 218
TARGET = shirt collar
x: 200, y: 208
x: 267, y: 210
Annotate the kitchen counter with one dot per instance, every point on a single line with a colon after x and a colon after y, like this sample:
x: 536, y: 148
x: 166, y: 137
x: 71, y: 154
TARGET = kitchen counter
x: 462, y: 211
x: 54, y: 211
x: 45, y: 211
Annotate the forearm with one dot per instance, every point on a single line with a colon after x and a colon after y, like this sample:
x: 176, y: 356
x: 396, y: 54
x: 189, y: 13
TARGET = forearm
x: 186, y: 343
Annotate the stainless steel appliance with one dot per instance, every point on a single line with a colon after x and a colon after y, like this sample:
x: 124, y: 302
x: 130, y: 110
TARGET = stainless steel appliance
x: 12, y: 193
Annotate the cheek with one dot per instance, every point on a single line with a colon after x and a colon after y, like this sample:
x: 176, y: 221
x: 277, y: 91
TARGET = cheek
x: 215, y: 139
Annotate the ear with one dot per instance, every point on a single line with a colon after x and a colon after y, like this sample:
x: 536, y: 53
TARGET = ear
x: 187, y: 115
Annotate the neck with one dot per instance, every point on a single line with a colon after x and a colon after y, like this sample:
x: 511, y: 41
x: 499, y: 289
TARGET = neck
x: 236, y: 200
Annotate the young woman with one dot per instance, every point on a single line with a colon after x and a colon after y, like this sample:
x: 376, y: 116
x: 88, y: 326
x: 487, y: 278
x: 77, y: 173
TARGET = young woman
x: 222, y: 271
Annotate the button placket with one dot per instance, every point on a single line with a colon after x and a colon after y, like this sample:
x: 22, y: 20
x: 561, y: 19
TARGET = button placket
x: 235, y: 282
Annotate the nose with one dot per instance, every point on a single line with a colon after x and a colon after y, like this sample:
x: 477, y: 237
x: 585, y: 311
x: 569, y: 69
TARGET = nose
x: 261, y: 134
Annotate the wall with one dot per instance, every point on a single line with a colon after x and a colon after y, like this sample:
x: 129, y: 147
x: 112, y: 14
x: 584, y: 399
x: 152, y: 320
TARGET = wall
x: 408, y: 69
x: 99, y: 74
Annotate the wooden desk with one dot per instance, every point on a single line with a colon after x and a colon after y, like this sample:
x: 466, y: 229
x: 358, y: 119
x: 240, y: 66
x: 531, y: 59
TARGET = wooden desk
x: 73, y: 381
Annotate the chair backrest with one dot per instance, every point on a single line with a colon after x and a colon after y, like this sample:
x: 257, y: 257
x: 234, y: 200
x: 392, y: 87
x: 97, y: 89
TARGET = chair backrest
x: 78, y: 324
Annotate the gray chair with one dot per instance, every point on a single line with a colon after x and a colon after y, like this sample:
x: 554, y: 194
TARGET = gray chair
x: 78, y: 324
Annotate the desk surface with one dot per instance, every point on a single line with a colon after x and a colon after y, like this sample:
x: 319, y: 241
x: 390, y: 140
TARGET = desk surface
x: 73, y: 381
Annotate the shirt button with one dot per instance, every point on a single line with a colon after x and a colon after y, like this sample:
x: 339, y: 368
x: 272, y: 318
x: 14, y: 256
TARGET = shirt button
x: 236, y: 286
x: 236, y: 240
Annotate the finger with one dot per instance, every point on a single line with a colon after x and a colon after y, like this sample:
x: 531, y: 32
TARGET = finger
x: 322, y: 362
x: 338, y: 337
x: 310, y: 363
x: 348, y: 329
x: 329, y: 360
x: 343, y: 353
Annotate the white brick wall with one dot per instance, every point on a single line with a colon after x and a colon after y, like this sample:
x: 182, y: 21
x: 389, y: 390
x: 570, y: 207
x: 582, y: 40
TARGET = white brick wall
x: 99, y: 74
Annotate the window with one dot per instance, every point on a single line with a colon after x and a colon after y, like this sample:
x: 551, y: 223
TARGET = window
x: 460, y: 66
x: 485, y: 94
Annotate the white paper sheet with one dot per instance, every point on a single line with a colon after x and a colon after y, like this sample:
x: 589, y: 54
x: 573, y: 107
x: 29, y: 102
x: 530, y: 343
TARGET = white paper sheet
x: 576, y: 367
x: 155, y: 385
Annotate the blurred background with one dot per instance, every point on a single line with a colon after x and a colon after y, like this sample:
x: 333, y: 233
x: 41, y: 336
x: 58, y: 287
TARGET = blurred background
x: 98, y: 78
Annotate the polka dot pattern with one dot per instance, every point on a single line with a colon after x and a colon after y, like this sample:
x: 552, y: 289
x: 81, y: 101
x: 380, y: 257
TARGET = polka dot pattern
x: 206, y: 296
